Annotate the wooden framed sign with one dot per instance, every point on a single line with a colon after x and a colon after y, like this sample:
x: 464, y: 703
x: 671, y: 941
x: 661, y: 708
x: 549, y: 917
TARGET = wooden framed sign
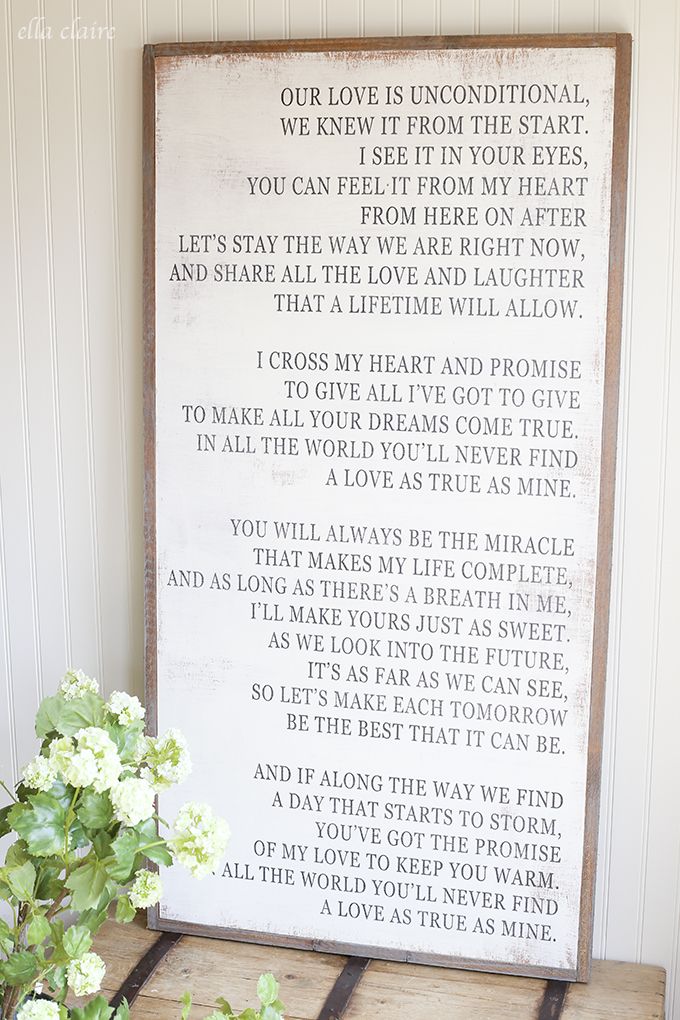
x: 383, y: 293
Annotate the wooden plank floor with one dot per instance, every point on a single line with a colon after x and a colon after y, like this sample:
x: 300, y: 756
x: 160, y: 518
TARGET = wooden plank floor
x: 209, y: 968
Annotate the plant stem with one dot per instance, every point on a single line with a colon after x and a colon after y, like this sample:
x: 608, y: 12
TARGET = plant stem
x: 9, y: 1002
x: 149, y: 846
x: 7, y: 790
x: 70, y: 815
x: 54, y: 909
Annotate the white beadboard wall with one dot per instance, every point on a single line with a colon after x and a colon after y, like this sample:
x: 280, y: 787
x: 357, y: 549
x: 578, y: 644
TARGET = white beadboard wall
x: 71, y: 554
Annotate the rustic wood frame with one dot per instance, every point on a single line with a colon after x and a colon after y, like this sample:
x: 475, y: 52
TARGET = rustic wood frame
x: 621, y: 44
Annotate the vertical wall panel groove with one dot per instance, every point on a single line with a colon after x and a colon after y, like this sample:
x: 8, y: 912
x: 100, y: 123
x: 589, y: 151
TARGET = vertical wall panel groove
x: 616, y: 666
x: 122, y: 402
x: 673, y: 991
x: 87, y: 357
x: 21, y: 343
x: 671, y: 249
x: 11, y: 726
x: 58, y: 454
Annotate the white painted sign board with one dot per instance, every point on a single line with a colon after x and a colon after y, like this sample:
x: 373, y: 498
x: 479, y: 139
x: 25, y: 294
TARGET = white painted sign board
x: 381, y: 390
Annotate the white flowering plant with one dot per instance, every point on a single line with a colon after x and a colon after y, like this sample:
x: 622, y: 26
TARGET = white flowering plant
x: 84, y: 834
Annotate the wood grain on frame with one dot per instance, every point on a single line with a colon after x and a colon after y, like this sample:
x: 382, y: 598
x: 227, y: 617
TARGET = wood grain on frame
x: 621, y: 44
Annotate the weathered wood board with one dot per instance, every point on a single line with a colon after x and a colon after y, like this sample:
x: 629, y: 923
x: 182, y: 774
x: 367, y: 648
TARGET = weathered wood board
x: 209, y: 968
x: 383, y: 312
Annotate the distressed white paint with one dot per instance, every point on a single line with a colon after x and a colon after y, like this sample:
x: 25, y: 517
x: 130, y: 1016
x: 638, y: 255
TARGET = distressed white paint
x: 70, y: 388
x: 208, y: 335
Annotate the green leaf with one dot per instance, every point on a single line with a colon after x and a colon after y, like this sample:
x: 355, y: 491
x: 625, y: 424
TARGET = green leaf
x: 87, y: 884
x: 148, y: 833
x: 93, y: 919
x: 17, y: 854
x: 97, y: 1009
x: 123, y: 1011
x: 56, y: 715
x: 38, y: 930
x: 19, y: 969
x: 125, y: 849
x: 63, y: 793
x: 4, y: 823
x: 186, y: 1005
x: 56, y: 979
x: 49, y: 881
x: 267, y: 989
x: 272, y: 1012
x: 48, y: 717
x: 126, y: 739
x: 224, y: 1006
x: 57, y: 932
x: 159, y: 855
x: 77, y: 940
x: 94, y: 810
x: 41, y: 824
x: 102, y: 845
x: 78, y: 835
x: 111, y: 890
x: 21, y: 880
x: 6, y: 938
x: 125, y: 912
x: 81, y: 713
x: 248, y: 1014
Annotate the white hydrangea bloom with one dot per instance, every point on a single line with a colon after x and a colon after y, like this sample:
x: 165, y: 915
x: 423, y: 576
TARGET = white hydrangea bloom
x: 146, y: 890
x: 132, y: 800
x: 40, y: 774
x: 76, y: 683
x: 137, y: 755
x: 82, y: 769
x: 200, y: 839
x: 60, y: 751
x: 167, y: 759
x: 85, y: 975
x: 38, y: 1009
x: 109, y: 765
x: 125, y: 707
x: 77, y: 768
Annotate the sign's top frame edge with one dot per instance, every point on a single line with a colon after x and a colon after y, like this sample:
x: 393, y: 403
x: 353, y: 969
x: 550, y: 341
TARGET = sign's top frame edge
x: 603, y: 40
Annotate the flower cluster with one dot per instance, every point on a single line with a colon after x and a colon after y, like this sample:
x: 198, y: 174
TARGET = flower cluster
x: 40, y: 773
x: 146, y: 890
x: 132, y: 800
x: 39, y: 1009
x: 76, y: 683
x: 167, y: 759
x: 126, y: 708
x: 85, y: 974
x: 200, y: 838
